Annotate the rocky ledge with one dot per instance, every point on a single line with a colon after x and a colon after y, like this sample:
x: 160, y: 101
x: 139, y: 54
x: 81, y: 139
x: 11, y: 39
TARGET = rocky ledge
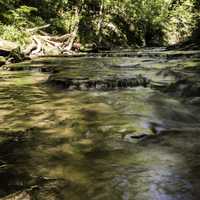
x: 110, y: 83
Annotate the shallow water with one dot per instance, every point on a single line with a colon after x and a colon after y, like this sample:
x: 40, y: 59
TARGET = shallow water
x: 59, y: 144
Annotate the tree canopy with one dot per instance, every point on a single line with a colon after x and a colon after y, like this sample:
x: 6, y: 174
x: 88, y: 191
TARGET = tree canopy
x: 106, y: 22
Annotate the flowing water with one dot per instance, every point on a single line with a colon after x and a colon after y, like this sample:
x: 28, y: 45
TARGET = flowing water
x: 72, y: 145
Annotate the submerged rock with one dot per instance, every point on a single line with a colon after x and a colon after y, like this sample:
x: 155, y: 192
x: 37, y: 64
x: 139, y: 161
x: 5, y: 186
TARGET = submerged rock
x: 135, y: 138
x: 195, y: 101
x: 185, y: 88
x: 139, y: 134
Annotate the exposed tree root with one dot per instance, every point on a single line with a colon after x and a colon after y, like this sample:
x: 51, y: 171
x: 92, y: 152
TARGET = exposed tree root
x: 41, y: 43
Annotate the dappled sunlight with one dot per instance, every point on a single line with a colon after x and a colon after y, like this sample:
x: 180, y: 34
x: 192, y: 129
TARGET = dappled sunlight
x: 96, y: 144
x: 99, y: 100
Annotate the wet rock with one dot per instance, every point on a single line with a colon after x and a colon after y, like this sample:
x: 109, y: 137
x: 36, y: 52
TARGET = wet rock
x: 190, y: 90
x: 156, y: 128
x: 49, y: 50
x: 185, y: 88
x: 134, y: 138
x: 158, y: 85
x: 83, y: 86
x: 167, y: 72
x: 18, y: 196
x: 16, y: 56
x: 195, y: 101
x: 28, y: 65
x: 125, y: 66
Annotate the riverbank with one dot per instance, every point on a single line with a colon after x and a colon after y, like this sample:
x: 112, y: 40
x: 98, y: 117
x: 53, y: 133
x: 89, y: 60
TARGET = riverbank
x: 11, y: 52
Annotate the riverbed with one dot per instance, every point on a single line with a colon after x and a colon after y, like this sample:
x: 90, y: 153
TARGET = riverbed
x: 97, y: 143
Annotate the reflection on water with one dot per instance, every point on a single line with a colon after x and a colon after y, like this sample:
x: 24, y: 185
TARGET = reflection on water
x: 69, y: 145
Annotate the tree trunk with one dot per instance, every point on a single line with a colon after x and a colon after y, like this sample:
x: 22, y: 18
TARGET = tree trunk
x: 75, y: 30
x: 99, y: 26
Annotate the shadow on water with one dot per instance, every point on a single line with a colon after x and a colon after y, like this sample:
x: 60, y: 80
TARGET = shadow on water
x: 70, y: 145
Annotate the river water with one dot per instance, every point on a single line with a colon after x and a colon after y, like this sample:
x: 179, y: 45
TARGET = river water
x: 73, y: 145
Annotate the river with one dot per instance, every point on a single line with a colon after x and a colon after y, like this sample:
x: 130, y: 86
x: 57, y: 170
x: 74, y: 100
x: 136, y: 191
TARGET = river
x: 72, y: 144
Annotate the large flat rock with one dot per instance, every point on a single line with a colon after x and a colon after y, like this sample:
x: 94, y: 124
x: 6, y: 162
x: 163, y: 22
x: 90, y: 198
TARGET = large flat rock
x: 6, y: 47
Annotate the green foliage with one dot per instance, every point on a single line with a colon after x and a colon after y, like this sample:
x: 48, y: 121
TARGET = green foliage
x: 124, y: 22
x: 10, y: 32
x: 20, y: 16
x: 182, y: 21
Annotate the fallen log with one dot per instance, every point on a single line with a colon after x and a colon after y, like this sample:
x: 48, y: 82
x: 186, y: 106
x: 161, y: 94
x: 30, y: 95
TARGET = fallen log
x: 62, y: 38
x: 31, y: 47
x: 41, y: 43
x: 38, y: 28
x: 39, y: 46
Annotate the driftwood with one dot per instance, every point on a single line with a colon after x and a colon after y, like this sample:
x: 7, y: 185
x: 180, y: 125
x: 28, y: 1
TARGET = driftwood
x: 41, y: 43
x: 38, y: 28
x: 31, y: 47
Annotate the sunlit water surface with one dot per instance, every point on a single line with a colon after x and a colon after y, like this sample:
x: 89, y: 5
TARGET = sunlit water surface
x: 70, y: 144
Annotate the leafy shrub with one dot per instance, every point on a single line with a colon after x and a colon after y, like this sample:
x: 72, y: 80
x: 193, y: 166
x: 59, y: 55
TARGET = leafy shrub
x: 20, y: 16
x: 10, y: 32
